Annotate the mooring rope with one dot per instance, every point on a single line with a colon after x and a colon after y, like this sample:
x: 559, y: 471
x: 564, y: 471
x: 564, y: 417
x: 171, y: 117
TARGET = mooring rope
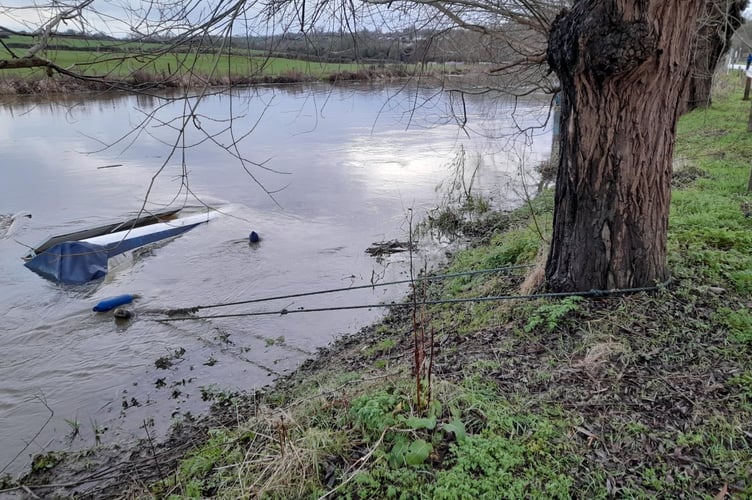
x: 419, y: 279
x: 589, y: 293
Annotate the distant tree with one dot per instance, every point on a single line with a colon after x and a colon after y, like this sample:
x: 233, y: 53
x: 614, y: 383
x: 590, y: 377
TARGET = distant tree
x: 719, y: 21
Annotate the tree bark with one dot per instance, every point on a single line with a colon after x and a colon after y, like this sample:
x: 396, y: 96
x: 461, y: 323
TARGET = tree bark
x: 624, y: 67
x: 23, y: 62
x: 717, y: 24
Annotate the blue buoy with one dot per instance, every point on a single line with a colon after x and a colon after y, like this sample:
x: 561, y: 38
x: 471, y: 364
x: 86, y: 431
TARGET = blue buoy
x: 113, y: 302
x: 254, y: 237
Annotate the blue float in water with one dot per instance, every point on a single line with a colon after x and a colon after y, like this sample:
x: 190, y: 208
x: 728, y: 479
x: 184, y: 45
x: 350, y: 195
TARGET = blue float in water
x: 254, y: 237
x: 113, y: 302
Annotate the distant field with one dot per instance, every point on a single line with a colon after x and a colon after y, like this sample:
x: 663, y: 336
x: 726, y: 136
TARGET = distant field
x: 127, y: 60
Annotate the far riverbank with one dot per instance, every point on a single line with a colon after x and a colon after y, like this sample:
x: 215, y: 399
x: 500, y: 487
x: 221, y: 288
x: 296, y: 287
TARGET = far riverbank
x: 144, y: 81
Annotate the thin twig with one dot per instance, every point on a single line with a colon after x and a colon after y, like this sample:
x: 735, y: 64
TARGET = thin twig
x: 52, y: 414
x: 153, y: 451
x: 416, y: 346
x: 29, y: 492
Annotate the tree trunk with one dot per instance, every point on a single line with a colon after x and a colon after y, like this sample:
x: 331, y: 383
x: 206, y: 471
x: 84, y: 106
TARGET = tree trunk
x: 624, y: 67
x: 719, y: 20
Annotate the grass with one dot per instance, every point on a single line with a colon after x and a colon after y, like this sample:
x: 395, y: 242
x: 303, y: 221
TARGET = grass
x: 174, y: 65
x: 710, y: 238
x: 643, y: 396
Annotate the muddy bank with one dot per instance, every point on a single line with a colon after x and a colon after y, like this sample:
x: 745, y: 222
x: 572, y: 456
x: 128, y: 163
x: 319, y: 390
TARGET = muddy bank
x: 143, y: 81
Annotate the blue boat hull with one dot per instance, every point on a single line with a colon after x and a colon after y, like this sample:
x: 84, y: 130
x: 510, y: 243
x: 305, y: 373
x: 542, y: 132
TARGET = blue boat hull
x: 72, y: 262
x: 78, y: 262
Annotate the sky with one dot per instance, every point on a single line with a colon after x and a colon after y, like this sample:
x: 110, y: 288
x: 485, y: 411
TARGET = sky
x: 29, y: 15
x: 111, y: 17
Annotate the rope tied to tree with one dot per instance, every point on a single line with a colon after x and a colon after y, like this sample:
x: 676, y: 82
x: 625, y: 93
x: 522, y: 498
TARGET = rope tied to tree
x: 593, y: 293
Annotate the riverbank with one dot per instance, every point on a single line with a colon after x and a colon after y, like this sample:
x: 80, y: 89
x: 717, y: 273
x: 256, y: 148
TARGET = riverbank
x: 90, y: 64
x: 39, y: 83
x: 76, y: 62
x: 638, y: 396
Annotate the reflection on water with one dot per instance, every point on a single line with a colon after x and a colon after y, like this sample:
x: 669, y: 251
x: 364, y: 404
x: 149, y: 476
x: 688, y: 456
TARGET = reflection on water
x: 344, y: 165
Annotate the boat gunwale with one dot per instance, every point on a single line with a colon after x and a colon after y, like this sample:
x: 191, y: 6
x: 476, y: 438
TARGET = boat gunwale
x: 135, y: 222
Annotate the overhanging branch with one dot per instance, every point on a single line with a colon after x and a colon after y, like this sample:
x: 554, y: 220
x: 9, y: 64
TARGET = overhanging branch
x: 540, y: 59
x: 25, y: 62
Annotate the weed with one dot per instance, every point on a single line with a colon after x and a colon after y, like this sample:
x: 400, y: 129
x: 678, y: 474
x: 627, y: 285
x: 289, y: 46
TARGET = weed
x: 75, y: 428
x: 551, y: 315
x: 374, y: 412
x: 276, y: 341
x: 381, y: 347
x: 98, y: 431
x: 221, y: 397
x: 45, y: 461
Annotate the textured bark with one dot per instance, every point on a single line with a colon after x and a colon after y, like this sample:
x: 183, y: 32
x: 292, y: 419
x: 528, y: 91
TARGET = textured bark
x: 717, y: 24
x: 23, y: 62
x: 624, y: 67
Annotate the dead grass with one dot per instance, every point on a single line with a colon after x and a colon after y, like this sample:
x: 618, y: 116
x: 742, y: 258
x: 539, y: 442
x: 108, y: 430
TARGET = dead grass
x: 536, y: 277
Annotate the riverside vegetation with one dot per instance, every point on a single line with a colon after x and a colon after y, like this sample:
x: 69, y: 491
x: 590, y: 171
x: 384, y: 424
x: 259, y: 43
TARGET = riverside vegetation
x: 106, y: 64
x: 632, y: 396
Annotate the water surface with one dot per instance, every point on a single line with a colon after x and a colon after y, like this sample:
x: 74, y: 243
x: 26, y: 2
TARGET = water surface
x: 346, y: 165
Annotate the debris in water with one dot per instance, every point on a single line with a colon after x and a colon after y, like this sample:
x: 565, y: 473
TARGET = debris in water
x: 122, y: 313
x: 388, y: 247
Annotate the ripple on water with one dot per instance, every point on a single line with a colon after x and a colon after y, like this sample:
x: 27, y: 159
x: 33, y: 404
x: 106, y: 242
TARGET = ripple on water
x: 351, y: 183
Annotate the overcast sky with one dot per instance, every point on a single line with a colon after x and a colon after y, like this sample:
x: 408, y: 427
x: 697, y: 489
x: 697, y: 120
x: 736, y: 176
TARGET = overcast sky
x: 108, y: 16
x: 28, y: 15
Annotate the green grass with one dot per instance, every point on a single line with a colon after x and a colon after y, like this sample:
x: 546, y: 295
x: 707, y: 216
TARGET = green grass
x: 118, y: 65
x: 481, y: 436
x: 710, y: 238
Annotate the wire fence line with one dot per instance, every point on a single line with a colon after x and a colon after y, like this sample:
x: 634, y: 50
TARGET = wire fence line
x: 492, y: 298
x: 420, y: 279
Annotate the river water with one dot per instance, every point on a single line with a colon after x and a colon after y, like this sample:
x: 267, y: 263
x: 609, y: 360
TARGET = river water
x: 345, y: 166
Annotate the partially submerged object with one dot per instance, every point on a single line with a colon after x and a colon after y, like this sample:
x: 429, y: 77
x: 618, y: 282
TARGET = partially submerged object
x: 81, y: 256
x: 10, y: 224
x: 113, y: 302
